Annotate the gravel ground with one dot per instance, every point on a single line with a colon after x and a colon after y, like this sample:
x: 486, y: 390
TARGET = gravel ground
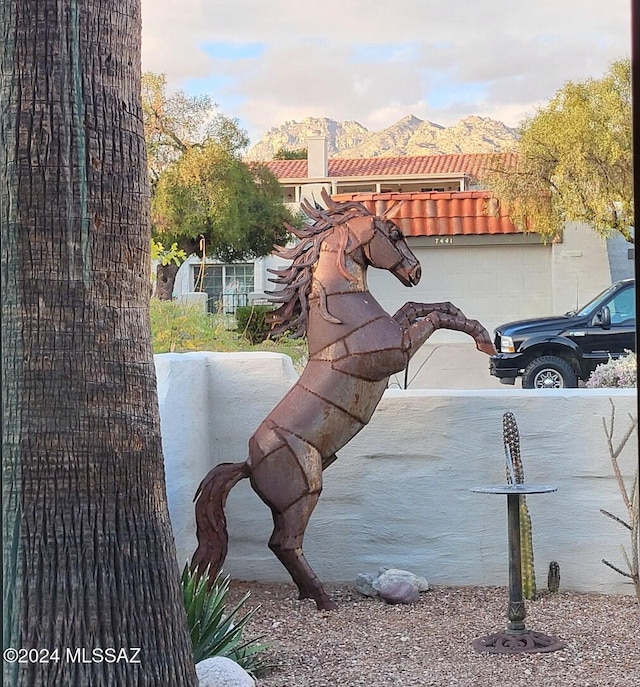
x: 366, y: 642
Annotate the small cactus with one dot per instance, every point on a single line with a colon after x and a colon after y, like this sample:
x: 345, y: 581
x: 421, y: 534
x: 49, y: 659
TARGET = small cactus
x: 553, y: 578
x: 511, y: 438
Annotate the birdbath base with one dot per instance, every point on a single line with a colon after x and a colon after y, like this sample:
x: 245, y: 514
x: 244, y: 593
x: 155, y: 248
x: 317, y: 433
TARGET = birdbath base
x: 516, y: 639
x: 527, y: 642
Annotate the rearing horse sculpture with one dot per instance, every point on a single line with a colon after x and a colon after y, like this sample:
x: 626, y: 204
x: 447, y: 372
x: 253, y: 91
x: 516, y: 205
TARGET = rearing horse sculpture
x: 354, y: 347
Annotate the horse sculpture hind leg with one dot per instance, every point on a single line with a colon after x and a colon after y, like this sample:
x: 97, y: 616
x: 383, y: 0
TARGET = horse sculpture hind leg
x: 286, y: 473
x: 286, y: 544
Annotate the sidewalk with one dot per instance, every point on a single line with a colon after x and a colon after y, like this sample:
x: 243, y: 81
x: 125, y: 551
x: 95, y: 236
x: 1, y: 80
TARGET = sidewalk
x: 449, y: 366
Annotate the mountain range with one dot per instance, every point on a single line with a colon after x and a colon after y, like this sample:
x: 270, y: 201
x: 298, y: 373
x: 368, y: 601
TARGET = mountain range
x: 409, y: 136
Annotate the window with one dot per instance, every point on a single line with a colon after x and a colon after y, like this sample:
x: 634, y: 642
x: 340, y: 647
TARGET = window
x: 623, y: 306
x: 356, y: 188
x: 400, y: 186
x: 419, y: 187
x: 228, y: 286
x: 290, y: 194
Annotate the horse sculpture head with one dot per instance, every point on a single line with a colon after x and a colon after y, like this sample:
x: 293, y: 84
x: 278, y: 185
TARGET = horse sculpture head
x: 368, y: 240
x: 383, y: 246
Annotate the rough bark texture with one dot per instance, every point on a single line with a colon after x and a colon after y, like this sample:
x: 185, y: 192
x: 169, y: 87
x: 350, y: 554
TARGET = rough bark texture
x: 89, y: 559
x: 165, y: 280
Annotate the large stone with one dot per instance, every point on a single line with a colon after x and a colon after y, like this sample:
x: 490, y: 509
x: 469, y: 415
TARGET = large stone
x: 222, y: 672
x: 398, y: 592
x: 387, y: 575
x: 392, y: 585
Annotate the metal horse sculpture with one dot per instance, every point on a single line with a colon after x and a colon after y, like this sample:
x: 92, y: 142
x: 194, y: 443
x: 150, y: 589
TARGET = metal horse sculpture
x: 354, y: 347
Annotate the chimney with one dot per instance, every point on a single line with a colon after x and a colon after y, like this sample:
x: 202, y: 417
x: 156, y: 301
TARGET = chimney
x: 317, y: 166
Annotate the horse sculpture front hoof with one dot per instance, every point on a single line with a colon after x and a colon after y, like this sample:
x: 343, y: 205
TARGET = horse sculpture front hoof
x: 326, y: 605
x: 323, y: 601
x: 487, y: 348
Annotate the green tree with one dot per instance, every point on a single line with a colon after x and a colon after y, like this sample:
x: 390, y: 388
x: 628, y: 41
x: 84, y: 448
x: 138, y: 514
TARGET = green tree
x: 287, y: 154
x: 88, y: 552
x: 210, y: 192
x: 176, y: 122
x: 168, y: 261
x: 203, y: 193
x: 574, y: 160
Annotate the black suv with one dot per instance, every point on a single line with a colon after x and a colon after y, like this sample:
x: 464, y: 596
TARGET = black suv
x: 554, y: 352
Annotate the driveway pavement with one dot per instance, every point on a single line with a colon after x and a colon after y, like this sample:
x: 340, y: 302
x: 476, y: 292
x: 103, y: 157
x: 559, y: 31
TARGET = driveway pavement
x: 449, y: 366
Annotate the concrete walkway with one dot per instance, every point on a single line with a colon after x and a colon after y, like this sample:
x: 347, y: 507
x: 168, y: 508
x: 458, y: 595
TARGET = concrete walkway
x: 449, y: 366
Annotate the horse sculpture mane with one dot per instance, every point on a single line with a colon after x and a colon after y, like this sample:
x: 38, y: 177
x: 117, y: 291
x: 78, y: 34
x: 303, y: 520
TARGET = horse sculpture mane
x: 293, y: 297
x: 354, y: 347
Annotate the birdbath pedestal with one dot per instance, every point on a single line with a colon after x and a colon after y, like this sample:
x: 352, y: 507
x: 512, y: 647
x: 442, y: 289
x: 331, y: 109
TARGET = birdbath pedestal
x: 515, y: 638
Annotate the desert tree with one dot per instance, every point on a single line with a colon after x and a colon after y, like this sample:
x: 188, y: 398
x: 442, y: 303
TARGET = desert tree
x: 205, y: 198
x: 575, y: 160
x: 175, y: 121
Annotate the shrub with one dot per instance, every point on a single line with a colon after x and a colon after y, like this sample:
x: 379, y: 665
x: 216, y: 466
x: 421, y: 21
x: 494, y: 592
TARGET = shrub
x: 619, y: 373
x: 214, y: 632
x: 178, y: 327
x: 252, y: 322
x: 630, y: 497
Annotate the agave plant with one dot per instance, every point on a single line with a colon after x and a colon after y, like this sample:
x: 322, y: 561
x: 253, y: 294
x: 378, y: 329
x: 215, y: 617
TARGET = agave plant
x: 214, y: 631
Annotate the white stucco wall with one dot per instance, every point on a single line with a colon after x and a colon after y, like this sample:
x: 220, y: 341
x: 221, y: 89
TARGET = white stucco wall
x: 399, y: 495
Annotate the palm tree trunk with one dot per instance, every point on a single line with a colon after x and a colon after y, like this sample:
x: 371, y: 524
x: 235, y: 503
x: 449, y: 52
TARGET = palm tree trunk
x: 88, y: 556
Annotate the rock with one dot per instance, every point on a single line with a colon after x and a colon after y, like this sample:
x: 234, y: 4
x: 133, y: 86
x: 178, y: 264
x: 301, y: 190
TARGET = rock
x: 398, y: 592
x: 394, y: 586
x: 222, y: 672
x: 396, y: 575
x: 364, y: 584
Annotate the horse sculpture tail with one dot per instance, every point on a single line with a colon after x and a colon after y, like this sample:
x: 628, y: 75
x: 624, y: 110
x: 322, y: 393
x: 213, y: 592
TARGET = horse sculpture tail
x: 211, y: 524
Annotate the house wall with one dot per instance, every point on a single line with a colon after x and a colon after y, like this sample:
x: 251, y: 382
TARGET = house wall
x: 184, y: 276
x: 400, y: 493
x: 620, y: 254
x: 581, y: 268
x: 490, y: 283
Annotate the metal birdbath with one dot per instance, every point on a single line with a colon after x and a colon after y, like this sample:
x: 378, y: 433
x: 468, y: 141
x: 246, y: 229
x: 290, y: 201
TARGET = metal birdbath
x: 516, y: 639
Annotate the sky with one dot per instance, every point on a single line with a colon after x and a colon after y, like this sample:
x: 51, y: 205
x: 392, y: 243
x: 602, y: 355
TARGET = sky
x: 266, y: 62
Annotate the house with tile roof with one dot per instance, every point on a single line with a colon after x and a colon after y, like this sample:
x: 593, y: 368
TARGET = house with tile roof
x: 471, y: 253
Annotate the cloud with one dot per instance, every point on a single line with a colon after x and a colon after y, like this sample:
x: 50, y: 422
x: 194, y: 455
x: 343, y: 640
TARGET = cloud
x: 369, y: 61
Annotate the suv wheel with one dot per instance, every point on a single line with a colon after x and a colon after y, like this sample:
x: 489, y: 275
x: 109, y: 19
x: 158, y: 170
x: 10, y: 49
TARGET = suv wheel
x: 549, y: 372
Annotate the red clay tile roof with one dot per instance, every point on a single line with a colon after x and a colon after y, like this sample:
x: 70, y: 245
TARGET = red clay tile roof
x: 441, y: 213
x: 468, y: 164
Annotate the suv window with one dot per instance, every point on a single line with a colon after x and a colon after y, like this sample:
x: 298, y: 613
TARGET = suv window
x: 622, y: 306
x: 596, y: 303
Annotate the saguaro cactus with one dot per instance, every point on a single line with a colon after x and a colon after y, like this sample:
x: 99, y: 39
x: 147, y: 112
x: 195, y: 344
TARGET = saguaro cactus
x: 515, y: 474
